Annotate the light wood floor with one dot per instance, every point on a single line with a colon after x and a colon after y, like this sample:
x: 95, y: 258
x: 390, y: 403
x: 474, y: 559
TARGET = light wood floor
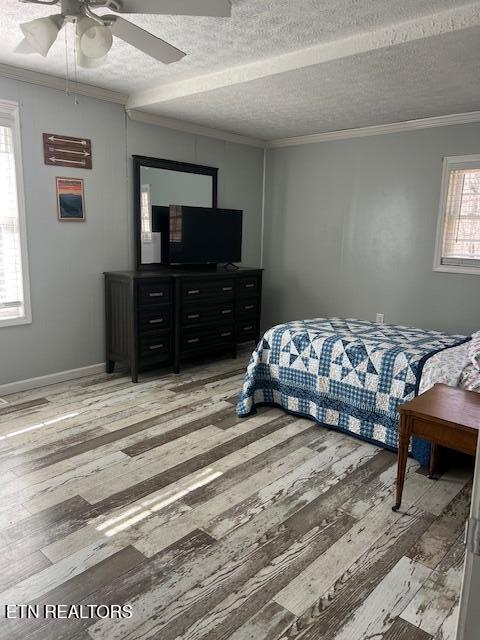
x: 211, y: 527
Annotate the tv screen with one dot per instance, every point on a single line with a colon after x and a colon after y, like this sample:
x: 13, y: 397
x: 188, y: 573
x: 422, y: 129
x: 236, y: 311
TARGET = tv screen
x: 199, y: 235
x: 160, y: 219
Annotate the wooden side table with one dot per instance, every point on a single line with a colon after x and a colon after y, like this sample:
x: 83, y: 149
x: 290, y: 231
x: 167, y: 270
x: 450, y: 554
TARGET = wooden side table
x: 446, y: 416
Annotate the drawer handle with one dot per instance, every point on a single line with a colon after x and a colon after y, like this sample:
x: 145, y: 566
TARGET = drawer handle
x: 248, y: 328
x: 193, y: 340
x: 158, y: 294
x: 250, y: 286
x: 226, y: 334
x: 193, y: 316
x: 193, y: 292
x: 249, y: 306
x: 227, y: 288
x: 225, y: 312
x: 152, y: 347
x: 156, y: 321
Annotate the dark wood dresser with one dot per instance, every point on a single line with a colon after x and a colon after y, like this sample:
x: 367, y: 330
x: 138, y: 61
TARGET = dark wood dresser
x: 164, y: 317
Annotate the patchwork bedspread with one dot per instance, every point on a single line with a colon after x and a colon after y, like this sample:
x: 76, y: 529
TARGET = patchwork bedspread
x: 346, y: 373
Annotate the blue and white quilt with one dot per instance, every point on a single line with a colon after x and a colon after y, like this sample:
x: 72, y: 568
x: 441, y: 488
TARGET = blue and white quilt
x: 345, y: 373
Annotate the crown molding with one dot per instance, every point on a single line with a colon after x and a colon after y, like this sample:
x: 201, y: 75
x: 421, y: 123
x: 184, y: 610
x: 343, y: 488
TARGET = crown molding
x: 187, y: 127
x: 381, y: 129
x: 57, y: 83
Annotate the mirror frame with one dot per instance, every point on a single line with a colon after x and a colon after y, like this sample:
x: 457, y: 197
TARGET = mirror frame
x: 170, y: 165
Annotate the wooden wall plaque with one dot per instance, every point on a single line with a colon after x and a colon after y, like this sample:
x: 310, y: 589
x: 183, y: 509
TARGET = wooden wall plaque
x: 65, y: 151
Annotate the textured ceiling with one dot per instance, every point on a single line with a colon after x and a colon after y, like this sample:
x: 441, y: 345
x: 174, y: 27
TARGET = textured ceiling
x: 425, y: 78
x: 258, y: 29
x: 428, y: 77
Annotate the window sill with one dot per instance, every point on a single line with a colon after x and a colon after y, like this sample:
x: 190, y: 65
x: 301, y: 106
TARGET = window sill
x: 13, y: 322
x: 450, y: 268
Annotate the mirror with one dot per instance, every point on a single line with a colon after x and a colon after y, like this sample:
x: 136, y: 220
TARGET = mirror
x: 159, y: 184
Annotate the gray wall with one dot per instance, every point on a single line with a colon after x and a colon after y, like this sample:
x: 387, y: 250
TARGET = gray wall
x: 66, y: 259
x: 349, y: 228
x: 350, y: 231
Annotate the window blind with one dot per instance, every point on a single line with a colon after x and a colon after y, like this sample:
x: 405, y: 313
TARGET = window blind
x: 461, y: 232
x: 12, y: 303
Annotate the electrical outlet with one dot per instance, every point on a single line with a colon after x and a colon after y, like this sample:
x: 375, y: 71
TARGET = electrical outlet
x: 380, y: 318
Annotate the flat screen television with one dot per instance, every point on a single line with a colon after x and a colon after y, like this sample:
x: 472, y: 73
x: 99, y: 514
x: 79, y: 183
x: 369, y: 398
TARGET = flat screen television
x: 200, y: 235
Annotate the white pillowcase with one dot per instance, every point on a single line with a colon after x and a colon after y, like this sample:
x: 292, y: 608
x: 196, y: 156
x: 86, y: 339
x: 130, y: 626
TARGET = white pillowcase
x: 470, y: 378
x: 474, y: 350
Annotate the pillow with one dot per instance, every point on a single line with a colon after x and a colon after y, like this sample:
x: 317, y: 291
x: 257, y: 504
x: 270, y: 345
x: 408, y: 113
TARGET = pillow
x: 474, y: 350
x: 470, y: 378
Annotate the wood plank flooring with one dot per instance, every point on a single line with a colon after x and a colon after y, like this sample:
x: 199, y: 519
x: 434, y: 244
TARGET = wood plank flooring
x: 212, y: 528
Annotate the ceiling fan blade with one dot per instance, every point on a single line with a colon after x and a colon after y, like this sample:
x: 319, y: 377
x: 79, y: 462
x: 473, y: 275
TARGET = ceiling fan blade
x: 145, y: 41
x: 214, y: 8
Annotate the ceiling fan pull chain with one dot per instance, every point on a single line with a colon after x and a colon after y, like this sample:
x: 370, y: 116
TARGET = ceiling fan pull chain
x: 67, y: 79
x: 75, y: 97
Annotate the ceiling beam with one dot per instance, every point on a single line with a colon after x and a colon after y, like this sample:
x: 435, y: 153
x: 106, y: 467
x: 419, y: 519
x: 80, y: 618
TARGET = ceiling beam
x: 436, y: 24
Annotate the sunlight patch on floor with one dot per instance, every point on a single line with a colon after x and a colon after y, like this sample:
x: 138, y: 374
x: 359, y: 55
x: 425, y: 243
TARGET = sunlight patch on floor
x: 154, y: 504
x: 34, y: 427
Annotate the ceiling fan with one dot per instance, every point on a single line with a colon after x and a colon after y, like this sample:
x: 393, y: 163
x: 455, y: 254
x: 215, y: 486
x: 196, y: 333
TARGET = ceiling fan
x: 94, y: 33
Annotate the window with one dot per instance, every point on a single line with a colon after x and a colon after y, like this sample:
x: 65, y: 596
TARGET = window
x: 458, y: 235
x: 146, y: 213
x: 14, y: 289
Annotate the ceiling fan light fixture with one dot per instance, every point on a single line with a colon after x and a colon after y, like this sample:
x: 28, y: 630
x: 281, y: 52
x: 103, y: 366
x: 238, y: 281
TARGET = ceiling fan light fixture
x: 89, y: 63
x: 42, y: 32
x: 94, y: 33
x: 85, y: 23
x: 24, y: 47
x: 96, y: 41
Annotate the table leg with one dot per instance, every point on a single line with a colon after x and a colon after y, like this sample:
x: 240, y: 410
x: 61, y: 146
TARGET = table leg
x: 404, y: 435
x: 433, y: 462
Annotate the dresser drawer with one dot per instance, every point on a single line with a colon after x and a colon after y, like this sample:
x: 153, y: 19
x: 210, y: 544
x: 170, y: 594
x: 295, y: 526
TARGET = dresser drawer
x: 155, y: 346
x: 150, y: 293
x: 248, y: 286
x: 201, y: 289
x: 153, y: 319
x: 196, y: 339
x: 248, y: 308
x: 194, y: 314
x: 247, y: 330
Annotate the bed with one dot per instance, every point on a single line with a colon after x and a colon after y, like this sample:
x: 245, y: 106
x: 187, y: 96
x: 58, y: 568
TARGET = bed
x: 350, y: 374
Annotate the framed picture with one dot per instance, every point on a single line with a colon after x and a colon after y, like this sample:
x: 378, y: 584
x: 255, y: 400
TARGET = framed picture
x: 70, y: 200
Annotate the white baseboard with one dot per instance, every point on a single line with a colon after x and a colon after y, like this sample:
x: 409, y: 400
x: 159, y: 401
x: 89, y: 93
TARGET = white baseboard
x: 51, y: 378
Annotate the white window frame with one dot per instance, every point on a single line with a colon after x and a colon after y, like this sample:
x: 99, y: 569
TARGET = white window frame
x: 10, y: 117
x: 450, y: 163
x: 146, y: 235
